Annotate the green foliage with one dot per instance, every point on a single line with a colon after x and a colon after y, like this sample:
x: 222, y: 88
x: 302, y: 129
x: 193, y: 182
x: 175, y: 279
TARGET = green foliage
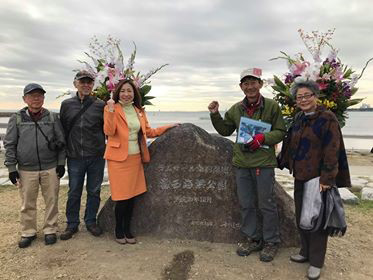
x: 144, y: 95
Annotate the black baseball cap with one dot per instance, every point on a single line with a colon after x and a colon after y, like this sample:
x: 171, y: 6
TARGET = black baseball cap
x: 31, y: 87
x: 84, y: 74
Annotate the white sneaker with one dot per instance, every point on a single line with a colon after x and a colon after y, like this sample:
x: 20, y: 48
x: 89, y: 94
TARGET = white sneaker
x: 121, y: 240
x: 298, y: 258
x: 313, y: 272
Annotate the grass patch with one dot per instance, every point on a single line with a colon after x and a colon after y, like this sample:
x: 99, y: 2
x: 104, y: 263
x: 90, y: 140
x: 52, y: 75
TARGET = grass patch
x: 6, y: 188
x: 366, y: 205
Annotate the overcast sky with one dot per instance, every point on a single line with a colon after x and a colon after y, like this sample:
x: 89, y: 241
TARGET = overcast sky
x: 206, y: 42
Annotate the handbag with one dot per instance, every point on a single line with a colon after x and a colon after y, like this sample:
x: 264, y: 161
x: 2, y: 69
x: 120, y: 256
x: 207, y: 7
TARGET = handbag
x: 312, y: 206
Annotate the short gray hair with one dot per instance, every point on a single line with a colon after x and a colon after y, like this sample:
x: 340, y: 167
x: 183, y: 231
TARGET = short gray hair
x: 301, y: 83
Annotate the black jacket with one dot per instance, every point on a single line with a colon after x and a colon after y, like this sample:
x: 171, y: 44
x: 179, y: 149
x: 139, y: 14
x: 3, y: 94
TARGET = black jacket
x: 86, y: 137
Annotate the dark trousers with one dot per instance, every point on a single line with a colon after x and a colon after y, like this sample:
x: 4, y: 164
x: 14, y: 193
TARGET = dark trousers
x: 313, y: 244
x: 255, y: 189
x: 123, y: 216
x: 77, y: 169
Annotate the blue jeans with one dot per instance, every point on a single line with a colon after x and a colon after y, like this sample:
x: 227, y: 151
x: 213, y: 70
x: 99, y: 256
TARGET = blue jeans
x: 77, y: 169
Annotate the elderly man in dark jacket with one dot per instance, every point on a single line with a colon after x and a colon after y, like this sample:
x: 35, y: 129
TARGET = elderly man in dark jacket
x: 35, y: 156
x: 82, y: 120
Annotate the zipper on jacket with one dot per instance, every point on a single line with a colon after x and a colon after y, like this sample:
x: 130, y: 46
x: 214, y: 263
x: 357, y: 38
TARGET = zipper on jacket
x: 81, y: 127
x: 37, y: 147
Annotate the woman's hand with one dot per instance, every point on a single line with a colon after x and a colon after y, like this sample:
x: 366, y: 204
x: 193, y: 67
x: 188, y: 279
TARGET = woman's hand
x: 110, y: 103
x: 174, y: 125
x: 324, y: 187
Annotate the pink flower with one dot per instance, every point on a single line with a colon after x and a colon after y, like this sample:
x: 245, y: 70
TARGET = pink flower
x: 137, y: 81
x: 322, y: 85
x: 298, y: 68
x: 114, y: 76
x: 337, y: 74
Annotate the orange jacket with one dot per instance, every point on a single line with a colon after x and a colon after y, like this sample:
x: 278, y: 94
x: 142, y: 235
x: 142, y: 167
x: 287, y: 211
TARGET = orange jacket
x: 116, y: 128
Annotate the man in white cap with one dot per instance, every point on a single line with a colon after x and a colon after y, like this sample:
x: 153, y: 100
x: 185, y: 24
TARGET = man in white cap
x: 255, y: 162
x: 35, y: 157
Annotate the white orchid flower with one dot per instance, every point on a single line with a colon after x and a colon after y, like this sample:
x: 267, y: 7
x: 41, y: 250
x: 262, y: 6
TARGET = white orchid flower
x: 100, y: 78
x: 354, y: 80
x: 332, y: 54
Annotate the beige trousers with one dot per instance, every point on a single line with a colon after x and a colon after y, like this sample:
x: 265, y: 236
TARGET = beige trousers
x: 29, y: 190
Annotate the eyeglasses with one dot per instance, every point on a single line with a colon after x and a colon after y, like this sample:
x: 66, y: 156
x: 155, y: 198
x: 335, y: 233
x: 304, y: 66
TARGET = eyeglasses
x: 305, y: 97
x: 35, y: 96
x: 250, y: 83
x: 86, y: 81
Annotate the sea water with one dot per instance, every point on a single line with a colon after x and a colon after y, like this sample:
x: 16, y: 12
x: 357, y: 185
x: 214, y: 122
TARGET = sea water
x: 358, y: 132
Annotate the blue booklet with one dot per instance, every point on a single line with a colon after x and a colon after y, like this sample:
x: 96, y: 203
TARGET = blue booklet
x: 249, y: 127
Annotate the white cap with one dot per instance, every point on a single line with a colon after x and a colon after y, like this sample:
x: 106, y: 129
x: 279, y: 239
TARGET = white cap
x: 254, y: 72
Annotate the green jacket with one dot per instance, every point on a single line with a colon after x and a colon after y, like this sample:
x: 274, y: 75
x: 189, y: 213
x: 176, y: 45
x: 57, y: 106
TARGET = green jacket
x: 268, y: 112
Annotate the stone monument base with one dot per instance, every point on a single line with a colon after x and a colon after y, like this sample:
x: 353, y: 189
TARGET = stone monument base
x: 192, y: 192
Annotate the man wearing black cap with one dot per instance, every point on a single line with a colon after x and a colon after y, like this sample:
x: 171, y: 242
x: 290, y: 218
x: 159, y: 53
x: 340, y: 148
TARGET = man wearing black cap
x: 255, y: 162
x: 82, y: 120
x: 35, y: 156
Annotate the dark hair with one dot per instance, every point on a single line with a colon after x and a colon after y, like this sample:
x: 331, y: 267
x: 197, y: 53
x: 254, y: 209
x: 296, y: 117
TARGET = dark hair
x: 136, y: 93
x: 311, y: 85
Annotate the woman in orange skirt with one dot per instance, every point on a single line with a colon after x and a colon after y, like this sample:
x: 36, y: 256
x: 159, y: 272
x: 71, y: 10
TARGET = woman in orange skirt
x: 127, y: 128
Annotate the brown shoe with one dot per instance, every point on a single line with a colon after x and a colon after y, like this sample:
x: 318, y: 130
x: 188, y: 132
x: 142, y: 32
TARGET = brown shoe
x: 68, y: 233
x: 94, y: 229
x: 246, y: 248
x: 269, y: 252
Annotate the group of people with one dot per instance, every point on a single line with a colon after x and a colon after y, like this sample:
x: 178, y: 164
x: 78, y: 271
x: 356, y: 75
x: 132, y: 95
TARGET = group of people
x: 87, y: 132
x: 38, y: 142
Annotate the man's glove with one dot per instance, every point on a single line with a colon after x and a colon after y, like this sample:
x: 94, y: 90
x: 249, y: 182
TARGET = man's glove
x: 13, y: 176
x: 60, y: 169
x: 257, y: 141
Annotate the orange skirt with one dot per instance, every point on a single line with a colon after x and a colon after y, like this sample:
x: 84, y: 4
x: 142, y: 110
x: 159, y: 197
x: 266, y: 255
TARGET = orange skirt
x: 126, y: 177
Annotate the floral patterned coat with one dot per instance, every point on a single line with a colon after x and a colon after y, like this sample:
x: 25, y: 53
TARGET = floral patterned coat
x: 314, y: 147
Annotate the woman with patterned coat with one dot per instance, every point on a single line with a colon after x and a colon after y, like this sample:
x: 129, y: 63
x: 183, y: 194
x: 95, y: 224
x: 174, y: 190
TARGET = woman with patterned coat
x: 313, y: 148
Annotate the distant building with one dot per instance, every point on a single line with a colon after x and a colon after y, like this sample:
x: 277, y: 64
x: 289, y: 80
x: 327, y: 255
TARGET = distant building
x: 365, y: 106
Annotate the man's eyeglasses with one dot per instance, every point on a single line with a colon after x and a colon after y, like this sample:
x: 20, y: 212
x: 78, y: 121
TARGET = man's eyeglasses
x: 250, y: 83
x: 86, y: 81
x: 35, y: 96
x: 305, y: 97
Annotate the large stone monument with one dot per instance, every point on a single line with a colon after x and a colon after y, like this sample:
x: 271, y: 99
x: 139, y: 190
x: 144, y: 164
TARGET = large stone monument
x: 192, y: 192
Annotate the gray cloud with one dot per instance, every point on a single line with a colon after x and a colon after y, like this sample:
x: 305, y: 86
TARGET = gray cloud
x: 206, y: 43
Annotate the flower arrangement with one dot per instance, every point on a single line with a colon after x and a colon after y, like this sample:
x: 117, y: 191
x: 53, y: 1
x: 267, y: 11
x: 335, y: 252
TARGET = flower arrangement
x: 336, y: 80
x: 108, y: 67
